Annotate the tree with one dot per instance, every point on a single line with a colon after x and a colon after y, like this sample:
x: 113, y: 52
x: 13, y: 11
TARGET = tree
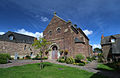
x: 41, y: 44
x: 97, y: 50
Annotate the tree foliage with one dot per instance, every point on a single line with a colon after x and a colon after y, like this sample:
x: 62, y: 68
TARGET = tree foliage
x: 42, y: 45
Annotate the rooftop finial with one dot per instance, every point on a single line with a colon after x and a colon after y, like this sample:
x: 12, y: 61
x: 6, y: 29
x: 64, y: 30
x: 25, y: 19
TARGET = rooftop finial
x: 54, y: 13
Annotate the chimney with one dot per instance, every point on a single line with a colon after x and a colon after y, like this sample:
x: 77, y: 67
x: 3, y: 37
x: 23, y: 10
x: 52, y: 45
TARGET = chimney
x: 102, y: 37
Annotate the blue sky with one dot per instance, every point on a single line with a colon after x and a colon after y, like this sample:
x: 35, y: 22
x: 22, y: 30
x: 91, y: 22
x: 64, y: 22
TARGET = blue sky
x: 94, y: 17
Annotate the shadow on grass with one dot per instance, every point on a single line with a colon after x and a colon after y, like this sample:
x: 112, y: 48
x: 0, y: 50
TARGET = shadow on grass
x: 98, y: 75
x: 104, y: 73
x: 45, y: 64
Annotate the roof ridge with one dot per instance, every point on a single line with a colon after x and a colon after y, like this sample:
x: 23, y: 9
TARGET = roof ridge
x: 20, y: 34
x: 60, y: 18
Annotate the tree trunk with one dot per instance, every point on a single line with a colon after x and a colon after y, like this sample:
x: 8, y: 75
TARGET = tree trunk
x: 41, y: 64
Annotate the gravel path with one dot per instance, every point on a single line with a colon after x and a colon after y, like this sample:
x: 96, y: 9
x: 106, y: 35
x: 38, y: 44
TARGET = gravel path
x: 18, y: 63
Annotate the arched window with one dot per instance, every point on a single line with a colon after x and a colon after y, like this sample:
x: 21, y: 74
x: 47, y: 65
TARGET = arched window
x: 25, y: 47
x: 11, y: 37
x: 58, y: 30
x: 50, y: 32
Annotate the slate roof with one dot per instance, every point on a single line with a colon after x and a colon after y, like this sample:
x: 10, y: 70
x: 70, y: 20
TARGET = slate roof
x: 77, y: 30
x: 106, y: 39
x: 18, y: 38
x: 115, y: 46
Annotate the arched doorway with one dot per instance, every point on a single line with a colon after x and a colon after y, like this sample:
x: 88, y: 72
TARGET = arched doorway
x: 54, y: 52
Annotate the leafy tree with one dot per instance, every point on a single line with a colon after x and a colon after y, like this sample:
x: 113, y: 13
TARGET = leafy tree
x: 97, y: 50
x: 41, y: 44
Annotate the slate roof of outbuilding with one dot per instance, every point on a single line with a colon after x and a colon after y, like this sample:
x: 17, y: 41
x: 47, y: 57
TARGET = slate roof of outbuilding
x: 18, y: 38
x: 115, y: 46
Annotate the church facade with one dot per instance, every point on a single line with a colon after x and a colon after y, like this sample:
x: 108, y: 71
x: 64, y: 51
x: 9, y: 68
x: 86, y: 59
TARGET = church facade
x: 66, y: 36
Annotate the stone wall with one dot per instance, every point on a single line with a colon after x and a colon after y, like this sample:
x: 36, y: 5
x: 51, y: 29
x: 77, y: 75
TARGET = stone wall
x: 22, y: 49
x: 106, y: 50
x: 65, y: 39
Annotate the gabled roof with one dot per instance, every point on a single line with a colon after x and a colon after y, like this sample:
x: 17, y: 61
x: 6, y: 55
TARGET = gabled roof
x: 106, y: 40
x: 18, y: 38
x: 115, y: 47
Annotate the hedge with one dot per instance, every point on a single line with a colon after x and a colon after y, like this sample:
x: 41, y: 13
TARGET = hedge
x: 4, y: 57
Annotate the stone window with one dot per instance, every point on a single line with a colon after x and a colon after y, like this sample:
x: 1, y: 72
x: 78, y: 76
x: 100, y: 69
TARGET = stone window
x: 11, y: 37
x: 50, y: 32
x: 58, y: 29
x: 113, y: 40
x: 25, y: 47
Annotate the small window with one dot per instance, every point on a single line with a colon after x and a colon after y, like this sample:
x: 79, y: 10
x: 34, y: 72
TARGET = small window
x: 50, y: 32
x: 25, y: 47
x: 11, y: 37
x: 113, y: 40
x: 58, y: 30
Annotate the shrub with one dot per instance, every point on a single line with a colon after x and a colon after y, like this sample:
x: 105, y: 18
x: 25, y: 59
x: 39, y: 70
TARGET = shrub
x: 61, y: 59
x: 45, y: 58
x: 66, y: 52
x: 79, y: 57
x: 81, y: 64
x: 70, y: 60
x: 27, y: 57
x: 89, y: 59
x: 4, y: 58
x: 100, y: 60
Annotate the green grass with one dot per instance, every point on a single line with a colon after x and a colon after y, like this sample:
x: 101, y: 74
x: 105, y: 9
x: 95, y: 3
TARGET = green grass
x: 104, y: 67
x: 49, y: 71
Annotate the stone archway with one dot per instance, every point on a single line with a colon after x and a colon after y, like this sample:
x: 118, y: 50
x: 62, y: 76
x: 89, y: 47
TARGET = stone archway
x: 54, y: 53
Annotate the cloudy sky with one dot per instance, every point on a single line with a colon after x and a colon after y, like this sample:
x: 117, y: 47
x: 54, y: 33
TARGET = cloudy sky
x: 31, y: 17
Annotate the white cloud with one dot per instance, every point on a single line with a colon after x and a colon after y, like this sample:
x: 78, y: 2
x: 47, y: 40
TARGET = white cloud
x: 88, y: 32
x: 96, y: 46
x: 44, y: 19
x: 1, y: 33
x: 36, y: 34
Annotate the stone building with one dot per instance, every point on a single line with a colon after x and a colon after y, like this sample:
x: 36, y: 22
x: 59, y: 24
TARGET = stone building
x: 111, y: 47
x: 66, y: 36
x: 17, y: 44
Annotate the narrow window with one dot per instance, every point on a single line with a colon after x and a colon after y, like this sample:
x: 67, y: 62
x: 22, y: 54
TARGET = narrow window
x: 58, y: 30
x: 25, y: 47
x: 50, y: 32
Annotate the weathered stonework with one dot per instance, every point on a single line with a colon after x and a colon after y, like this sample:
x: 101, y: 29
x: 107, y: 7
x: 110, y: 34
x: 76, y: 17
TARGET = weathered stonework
x: 66, y: 38
x: 19, y: 48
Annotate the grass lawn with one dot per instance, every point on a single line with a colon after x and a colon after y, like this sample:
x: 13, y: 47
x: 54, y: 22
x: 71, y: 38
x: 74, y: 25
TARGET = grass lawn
x: 104, y: 67
x: 49, y: 71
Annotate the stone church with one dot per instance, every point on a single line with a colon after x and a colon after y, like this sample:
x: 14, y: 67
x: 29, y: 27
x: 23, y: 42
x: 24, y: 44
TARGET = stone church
x: 17, y: 45
x: 66, y: 36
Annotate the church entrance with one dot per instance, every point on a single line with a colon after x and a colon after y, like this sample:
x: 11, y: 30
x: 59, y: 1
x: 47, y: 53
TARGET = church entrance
x: 54, y: 52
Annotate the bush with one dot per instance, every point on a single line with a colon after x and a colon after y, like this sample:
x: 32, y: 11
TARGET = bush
x: 4, y: 58
x: 45, y: 58
x: 27, y: 57
x: 70, y: 60
x: 100, y: 60
x: 79, y: 57
x: 81, y: 64
x: 62, y: 60
x: 91, y: 58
